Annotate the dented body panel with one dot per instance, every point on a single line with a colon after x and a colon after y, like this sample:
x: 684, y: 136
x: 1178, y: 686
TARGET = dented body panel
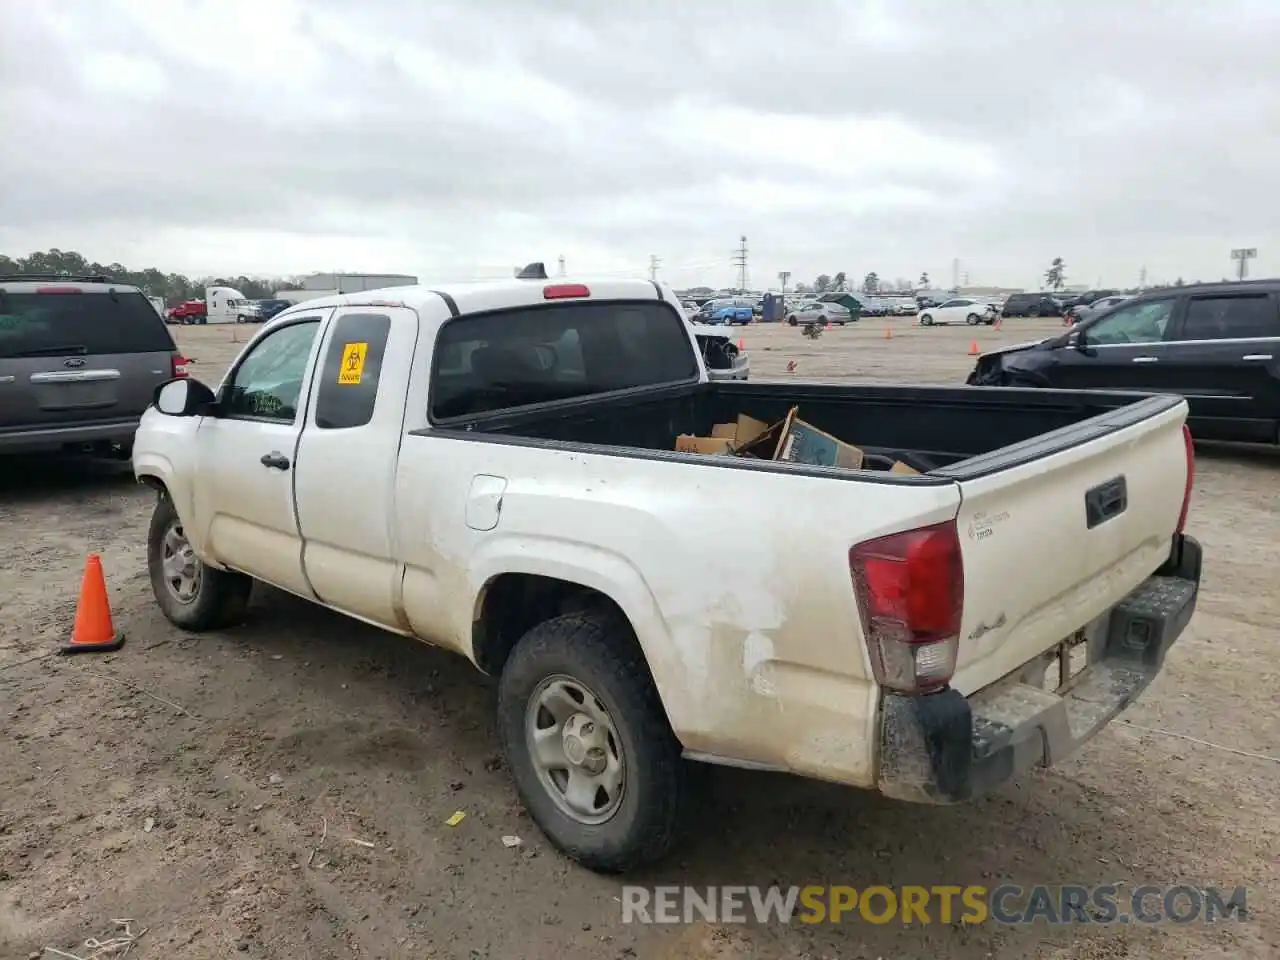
x: 734, y: 576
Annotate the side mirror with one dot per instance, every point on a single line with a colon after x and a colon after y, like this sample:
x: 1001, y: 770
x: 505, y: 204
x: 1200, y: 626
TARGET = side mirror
x: 182, y: 397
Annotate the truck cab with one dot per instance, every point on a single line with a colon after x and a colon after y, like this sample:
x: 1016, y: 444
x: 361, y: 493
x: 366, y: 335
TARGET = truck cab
x: 228, y: 305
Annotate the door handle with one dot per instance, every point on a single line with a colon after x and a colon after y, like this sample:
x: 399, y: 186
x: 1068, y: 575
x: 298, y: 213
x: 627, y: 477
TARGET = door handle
x: 1256, y: 356
x: 275, y: 460
x: 1145, y: 359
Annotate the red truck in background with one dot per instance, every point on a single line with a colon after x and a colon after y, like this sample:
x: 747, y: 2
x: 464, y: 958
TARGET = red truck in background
x: 189, y: 311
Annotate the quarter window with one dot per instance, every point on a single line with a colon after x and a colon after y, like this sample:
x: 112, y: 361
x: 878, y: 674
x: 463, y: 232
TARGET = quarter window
x: 268, y: 381
x: 348, y: 386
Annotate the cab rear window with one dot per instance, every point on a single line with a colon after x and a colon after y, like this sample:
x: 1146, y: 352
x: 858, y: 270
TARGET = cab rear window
x: 44, y: 324
x: 514, y: 358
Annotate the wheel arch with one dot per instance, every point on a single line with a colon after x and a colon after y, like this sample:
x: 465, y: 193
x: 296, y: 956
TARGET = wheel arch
x: 514, y: 596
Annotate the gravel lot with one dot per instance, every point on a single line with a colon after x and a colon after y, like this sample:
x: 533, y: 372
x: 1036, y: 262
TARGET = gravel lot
x: 213, y: 789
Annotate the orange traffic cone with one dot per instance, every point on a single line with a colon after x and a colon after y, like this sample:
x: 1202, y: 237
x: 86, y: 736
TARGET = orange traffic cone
x: 93, y: 632
x: 791, y: 366
x: 888, y: 333
x: 742, y: 344
x: 973, y: 348
x: 828, y: 324
x: 999, y: 321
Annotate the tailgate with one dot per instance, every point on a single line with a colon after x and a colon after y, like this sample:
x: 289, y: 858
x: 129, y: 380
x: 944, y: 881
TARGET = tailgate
x: 1056, y: 531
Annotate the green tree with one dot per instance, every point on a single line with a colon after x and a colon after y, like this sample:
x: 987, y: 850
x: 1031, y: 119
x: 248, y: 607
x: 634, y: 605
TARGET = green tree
x: 871, y: 282
x: 1056, y: 275
x: 838, y: 282
x: 924, y: 279
x: 171, y: 287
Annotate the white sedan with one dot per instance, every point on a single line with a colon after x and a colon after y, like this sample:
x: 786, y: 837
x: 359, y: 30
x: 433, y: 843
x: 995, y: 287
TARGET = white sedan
x: 959, y: 310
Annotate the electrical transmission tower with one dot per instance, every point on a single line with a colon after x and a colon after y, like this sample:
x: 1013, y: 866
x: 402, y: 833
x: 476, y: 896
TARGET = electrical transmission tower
x: 740, y: 261
x: 654, y: 263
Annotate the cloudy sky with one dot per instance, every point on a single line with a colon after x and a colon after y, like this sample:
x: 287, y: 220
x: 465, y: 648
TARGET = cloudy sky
x: 457, y: 138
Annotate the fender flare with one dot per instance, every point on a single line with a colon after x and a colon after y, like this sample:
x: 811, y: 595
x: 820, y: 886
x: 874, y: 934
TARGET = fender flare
x: 608, y: 573
x: 157, y: 470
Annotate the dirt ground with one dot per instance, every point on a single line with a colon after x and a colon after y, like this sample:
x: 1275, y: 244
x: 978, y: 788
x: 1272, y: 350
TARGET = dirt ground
x: 282, y: 789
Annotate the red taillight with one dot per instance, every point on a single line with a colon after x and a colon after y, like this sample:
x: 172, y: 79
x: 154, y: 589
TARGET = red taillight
x: 58, y: 290
x: 565, y: 291
x: 178, y: 365
x: 910, y: 592
x: 1191, y: 476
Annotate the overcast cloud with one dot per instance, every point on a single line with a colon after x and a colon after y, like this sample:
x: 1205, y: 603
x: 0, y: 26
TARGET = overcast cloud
x: 450, y: 138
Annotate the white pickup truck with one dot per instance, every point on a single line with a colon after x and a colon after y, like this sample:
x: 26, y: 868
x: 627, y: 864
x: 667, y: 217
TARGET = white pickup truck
x: 490, y: 468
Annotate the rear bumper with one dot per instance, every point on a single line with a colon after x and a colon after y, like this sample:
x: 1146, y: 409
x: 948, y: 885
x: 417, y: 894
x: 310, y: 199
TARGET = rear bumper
x: 946, y: 748
x: 741, y: 370
x: 37, y: 439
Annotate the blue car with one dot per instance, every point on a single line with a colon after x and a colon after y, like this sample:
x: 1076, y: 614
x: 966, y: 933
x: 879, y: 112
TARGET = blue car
x: 729, y: 311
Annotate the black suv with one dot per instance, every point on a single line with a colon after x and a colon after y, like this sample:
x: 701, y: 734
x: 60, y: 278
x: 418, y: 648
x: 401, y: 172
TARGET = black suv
x: 1031, y: 305
x: 1217, y: 344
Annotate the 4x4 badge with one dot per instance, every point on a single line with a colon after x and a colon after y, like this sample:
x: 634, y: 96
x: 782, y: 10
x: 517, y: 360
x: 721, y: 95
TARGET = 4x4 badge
x: 73, y: 362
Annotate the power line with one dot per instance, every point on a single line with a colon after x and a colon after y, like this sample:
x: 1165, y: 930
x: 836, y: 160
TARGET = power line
x: 740, y: 261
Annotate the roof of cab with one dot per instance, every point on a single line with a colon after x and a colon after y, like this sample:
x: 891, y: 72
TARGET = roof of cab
x: 466, y: 297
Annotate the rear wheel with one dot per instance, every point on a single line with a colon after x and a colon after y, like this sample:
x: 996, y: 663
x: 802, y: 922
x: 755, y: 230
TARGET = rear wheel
x: 973, y: 319
x: 191, y: 595
x: 1033, y: 311
x: 593, y: 757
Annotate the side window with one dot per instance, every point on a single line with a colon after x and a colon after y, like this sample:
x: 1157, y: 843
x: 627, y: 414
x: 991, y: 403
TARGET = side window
x: 348, y: 386
x: 1231, y: 317
x: 1139, y: 323
x: 268, y: 382
x: 513, y: 358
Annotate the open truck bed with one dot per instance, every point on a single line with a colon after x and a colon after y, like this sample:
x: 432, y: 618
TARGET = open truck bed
x: 952, y: 432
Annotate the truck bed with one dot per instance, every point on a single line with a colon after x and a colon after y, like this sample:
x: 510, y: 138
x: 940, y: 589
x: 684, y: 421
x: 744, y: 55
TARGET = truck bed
x: 956, y: 432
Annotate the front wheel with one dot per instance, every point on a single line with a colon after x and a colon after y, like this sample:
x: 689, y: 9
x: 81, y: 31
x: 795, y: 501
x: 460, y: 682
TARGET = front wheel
x: 1033, y: 312
x: 793, y: 320
x: 588, y: 743
x: 191, y: 595
x: 926, y: 320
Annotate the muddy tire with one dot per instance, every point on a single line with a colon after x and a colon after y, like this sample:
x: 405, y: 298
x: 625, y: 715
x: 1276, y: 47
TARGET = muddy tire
x: 588, y: 743
x: 191, y: 595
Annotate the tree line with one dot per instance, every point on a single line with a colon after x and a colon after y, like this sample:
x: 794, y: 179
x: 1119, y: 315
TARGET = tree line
x: 173, y: 288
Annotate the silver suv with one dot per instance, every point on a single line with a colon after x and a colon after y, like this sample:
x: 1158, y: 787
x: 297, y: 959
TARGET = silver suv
x: 79, y: 360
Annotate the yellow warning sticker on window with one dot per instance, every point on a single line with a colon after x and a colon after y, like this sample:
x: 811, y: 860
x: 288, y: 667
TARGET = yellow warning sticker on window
x: 352, y: 369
